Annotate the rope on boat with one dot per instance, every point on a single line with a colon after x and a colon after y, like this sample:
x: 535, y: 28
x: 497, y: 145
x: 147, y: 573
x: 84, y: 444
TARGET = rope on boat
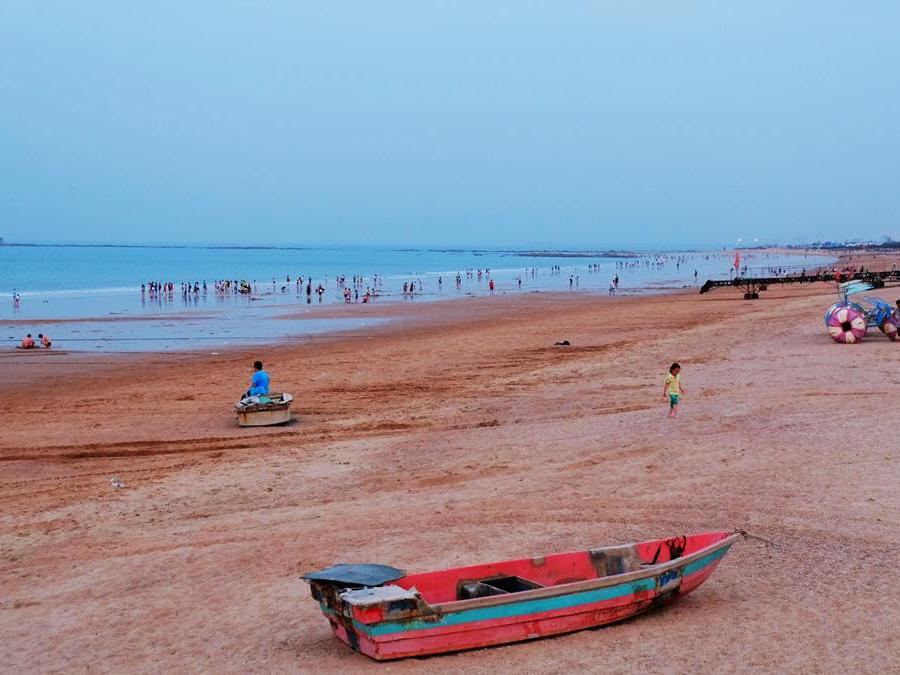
x: 747, y: 535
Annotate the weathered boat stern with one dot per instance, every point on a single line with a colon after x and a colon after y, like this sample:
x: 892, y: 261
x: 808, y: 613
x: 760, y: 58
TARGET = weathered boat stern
x: 338, y: 613
x: 351, y: 611
x: 353, y: 596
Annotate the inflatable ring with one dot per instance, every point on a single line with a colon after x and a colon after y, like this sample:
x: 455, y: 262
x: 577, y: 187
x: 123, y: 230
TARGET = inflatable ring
x: 889, y: 328
x: 846, y: 322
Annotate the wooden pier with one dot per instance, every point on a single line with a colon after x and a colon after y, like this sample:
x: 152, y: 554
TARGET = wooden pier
x: 753, y: 285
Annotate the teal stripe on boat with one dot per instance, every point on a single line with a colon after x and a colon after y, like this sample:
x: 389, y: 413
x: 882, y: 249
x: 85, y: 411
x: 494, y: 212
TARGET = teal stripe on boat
x: 704, y: 561
x: 515, y: 608
x: 531, y: 606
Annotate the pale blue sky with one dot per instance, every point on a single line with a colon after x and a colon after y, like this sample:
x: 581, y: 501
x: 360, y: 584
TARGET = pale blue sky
x: 449, y: 123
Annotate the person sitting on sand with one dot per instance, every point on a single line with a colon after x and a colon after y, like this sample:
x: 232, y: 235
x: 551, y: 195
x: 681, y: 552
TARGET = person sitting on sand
x: 45, y: 340
x: 27, y: 342
x: 259, y: 383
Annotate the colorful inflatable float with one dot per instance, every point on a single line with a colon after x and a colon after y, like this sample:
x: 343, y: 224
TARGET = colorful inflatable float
x: 846, y: 322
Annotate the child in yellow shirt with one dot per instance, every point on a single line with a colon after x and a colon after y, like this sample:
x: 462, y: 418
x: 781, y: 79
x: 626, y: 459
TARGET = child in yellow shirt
x: 673, y: 389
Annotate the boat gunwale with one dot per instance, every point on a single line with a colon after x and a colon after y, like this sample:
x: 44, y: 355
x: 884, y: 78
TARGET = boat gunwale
x: 579, y: 586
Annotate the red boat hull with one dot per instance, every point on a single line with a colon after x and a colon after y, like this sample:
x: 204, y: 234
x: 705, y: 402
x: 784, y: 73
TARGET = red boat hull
x: 381, y: 633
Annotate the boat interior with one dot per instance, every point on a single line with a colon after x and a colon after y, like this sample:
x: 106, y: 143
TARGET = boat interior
x: 515, y: 576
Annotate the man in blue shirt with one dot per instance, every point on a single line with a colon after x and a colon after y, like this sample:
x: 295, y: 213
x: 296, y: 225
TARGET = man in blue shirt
x: 259, y: 383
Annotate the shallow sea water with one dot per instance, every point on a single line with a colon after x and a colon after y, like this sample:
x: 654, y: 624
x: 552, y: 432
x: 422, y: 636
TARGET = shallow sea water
x: 96, y: 290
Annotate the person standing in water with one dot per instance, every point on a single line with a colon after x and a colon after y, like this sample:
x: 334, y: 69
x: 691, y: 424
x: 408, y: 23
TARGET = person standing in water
x: 673, y: 388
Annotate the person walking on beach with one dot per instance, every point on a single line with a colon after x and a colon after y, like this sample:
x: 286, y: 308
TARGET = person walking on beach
x: 673, y: 389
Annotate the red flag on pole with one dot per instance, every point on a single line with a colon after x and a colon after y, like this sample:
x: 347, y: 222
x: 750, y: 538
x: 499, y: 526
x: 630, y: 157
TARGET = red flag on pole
x: 737, y: 260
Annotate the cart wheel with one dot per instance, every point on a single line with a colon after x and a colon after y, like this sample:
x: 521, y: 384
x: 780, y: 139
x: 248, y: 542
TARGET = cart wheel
x: 889, y: 328
x: 846, y: 322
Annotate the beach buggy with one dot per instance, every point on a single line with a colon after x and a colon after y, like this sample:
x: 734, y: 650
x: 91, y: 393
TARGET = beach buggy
x: 848, y: 321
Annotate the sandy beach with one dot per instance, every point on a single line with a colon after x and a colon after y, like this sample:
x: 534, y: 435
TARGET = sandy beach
x: 459, y: 434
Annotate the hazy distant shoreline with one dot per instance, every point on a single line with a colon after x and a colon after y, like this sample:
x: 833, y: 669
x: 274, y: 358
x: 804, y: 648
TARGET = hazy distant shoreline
x: 524, y: 253
x: 541, y: 253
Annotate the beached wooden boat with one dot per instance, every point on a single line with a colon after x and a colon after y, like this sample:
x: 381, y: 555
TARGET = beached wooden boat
x: 275, y: 409
x: 386, y: 614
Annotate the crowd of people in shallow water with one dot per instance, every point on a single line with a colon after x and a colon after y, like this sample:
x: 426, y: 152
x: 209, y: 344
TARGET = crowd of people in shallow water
x: 363, y: 289
x: 367, y: 289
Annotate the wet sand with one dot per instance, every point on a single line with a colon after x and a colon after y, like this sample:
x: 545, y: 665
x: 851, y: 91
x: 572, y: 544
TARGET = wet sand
x: 455, y: 435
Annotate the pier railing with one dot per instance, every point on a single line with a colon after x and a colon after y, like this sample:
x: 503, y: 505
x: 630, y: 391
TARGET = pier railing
x: 753, y: 281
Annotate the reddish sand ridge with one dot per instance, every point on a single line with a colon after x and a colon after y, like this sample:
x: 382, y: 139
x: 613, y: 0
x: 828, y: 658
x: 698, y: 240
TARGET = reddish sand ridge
x: 459, y: 437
